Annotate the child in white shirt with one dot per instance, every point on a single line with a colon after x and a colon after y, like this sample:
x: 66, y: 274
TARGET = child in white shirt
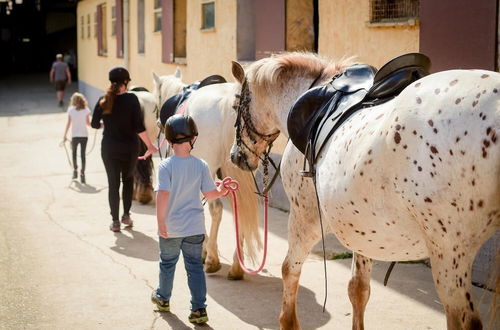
x: 79, y: 119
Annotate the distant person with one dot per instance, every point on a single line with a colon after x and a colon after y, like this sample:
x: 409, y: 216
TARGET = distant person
x: 180, y: 217
x: 60, y: 75
x: 122, y: 118
x: 78, y: 119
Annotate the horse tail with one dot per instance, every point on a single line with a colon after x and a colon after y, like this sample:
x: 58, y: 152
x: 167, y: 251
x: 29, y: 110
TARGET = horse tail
x: 142, y: 177
x: 248, y: 206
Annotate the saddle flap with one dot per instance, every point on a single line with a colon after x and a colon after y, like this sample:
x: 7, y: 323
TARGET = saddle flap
x: 303, y: 114
x: 168, y: 108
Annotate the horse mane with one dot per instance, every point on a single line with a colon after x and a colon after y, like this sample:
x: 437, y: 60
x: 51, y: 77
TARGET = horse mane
x: 280, y: 68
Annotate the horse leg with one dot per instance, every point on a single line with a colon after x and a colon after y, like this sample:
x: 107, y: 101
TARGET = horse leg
x: 303, y: 233
x: 236, y: 272
x: 212, y: 263
x: 359, y: 289
x: 451, y: 270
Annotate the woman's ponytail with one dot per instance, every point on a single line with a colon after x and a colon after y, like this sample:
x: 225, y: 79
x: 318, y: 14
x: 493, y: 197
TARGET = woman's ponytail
x: 108, y: 100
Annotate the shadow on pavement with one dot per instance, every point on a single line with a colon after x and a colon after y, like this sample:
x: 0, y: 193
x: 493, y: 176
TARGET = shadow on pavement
x: 147, y: 209
x: 175, y: 323
x: 84, y: 188
x: 257, y: 300
x: 135, y: 244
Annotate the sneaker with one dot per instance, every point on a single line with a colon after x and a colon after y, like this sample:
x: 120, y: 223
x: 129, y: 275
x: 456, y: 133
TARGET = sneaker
x: 198, y: 316
x: 82, y: 178
x: 115, y: 226
x: 127, y: 221
x: 75, y: 174
x: 163, y: 306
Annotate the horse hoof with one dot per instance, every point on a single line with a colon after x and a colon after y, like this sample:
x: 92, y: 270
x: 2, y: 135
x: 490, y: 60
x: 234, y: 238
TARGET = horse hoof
x: 212, y: 268
x: 233, y: 277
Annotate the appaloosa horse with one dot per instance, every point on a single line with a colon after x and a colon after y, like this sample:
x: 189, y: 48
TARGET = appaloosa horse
x: 413, y: 178
x: 211, y: 109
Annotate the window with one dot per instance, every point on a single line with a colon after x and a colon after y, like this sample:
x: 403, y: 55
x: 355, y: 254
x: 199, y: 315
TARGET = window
x: 173, y: 36
x: 113, y: 21
x: 393, y: 10
x: 208, y: 15
x: 141, y: 36
x: 157, y: 16
x: 102, y: 42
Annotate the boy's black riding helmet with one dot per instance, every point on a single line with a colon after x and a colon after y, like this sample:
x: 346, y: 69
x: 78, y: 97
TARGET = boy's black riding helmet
x: 119, y: 75
x: 182, y: 125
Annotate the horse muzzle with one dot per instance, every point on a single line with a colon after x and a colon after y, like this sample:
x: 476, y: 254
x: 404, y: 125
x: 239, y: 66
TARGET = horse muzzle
x: 239, y: 158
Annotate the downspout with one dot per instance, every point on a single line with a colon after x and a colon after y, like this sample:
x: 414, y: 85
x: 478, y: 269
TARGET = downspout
x: 126, y: 28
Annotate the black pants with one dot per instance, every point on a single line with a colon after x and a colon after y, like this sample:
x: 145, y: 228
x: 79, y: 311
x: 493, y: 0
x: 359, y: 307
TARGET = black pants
x: 119, y: 165
x: 82, y: 141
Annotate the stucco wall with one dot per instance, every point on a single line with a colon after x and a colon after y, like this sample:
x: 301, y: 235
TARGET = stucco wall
x: 344, y: 32
x: 93, y: 69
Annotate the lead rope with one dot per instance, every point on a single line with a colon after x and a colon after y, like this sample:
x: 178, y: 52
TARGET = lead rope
x: 232, y: 186
x: 63, y: 144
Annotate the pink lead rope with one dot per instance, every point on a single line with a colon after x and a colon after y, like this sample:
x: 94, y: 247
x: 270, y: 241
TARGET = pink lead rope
x: 231, y: 186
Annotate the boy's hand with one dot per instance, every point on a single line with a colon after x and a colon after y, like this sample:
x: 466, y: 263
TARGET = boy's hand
x: 162, y: 231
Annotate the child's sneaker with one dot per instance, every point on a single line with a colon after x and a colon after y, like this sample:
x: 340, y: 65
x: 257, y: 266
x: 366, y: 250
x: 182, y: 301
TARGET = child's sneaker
x: 163, y: 306
x: 198, y: 316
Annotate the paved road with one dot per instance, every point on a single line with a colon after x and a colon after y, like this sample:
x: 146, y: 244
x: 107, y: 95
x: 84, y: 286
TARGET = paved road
x: 61, y: 268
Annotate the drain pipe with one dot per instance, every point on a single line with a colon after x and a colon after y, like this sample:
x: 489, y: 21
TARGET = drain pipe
x: 126, y: 30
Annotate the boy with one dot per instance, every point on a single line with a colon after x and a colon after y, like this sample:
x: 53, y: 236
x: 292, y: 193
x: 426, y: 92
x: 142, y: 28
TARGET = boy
x: 179, y: 212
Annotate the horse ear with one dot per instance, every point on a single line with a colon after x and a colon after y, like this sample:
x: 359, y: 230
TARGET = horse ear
x: 156, y: 79
x: 178, y: 73
x: 238, y: 71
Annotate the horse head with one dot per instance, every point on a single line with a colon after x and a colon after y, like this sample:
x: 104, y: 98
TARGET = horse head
x: 167, y: 86
x: 268, y: 89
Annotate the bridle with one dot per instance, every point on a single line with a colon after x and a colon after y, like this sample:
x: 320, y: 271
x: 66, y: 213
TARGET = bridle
x: 244, y: 123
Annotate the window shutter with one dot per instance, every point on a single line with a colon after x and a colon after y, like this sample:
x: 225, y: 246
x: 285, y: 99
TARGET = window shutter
x: 167, y: 31
x: 99, y: 30
x: 119, y: 28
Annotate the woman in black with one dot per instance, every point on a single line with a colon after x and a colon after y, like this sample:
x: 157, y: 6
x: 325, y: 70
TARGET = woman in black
x: 122, y: 118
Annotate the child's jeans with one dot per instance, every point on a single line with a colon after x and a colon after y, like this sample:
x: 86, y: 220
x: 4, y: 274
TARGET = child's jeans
x: 191, y: 247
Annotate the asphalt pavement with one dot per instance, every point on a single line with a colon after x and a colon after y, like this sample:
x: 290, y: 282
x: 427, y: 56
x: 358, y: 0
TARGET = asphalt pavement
x: 61, y: 267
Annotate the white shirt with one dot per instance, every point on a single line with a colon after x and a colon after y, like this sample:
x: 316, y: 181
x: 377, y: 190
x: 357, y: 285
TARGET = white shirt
x: 78, y: 121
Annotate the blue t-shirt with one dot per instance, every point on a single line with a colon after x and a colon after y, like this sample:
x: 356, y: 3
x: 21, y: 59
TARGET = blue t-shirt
x: 184, y: 178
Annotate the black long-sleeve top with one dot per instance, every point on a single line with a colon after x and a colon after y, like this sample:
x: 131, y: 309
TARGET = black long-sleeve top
x: 122, y: 125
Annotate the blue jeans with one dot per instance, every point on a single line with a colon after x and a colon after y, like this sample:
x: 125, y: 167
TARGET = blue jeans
x: 191, y: 247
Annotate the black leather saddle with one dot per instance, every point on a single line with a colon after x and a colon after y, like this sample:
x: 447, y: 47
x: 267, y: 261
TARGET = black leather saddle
x: 170, y: 106
x: 321, y: 110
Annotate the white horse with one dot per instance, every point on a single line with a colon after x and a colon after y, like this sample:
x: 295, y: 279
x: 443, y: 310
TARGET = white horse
x: 211, y: 109
x: 143, y: 188
x: 413, y: 178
